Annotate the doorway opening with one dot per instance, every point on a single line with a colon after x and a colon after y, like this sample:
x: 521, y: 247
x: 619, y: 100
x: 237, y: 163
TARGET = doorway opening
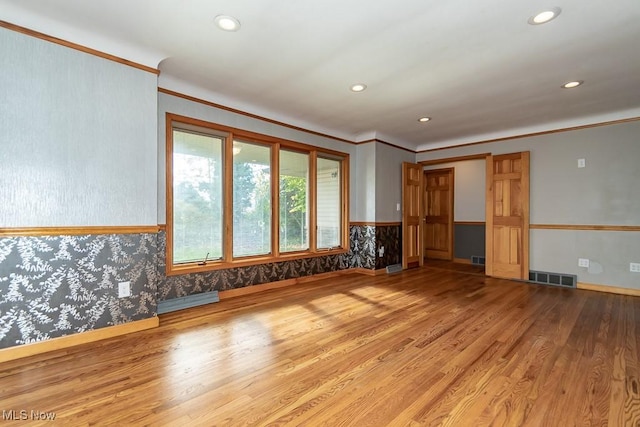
x: 491, y: 211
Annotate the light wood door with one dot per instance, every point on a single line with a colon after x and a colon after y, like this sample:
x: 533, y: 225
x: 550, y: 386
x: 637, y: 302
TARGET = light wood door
x: 507, y: 216
x: 438, y: 205
x: 412, y: 248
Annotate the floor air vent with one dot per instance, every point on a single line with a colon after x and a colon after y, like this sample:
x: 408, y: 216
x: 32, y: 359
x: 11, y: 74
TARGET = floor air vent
x: 556, y: 279
x: 477, y: 260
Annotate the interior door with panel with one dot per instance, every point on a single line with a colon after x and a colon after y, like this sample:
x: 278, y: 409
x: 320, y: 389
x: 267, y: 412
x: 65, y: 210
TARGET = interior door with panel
x: 438, y: 206
x: 507, y: 216
x: 412, y: 247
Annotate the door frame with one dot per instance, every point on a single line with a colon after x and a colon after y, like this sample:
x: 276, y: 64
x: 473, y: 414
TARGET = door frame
x: 435, y: 162
x: 487, y: 157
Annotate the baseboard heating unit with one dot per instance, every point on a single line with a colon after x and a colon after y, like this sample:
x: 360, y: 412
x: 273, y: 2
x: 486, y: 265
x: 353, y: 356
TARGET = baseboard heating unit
x: 187, y: 302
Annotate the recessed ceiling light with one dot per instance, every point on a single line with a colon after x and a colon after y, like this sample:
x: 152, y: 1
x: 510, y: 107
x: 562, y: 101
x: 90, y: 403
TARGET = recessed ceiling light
x: 227, y: 23
x: 358, y: 87
x: 424, y: 119
x: 572, y: 84
x: 545, y: 16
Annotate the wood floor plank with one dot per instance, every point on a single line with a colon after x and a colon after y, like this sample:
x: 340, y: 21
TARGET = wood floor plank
x: 428, y: 346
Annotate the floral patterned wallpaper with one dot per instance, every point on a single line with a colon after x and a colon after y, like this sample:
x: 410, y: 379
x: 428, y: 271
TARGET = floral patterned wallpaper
x: 361, y: 255
x: 389, y: 237
x: 52, y: 286
x: 59, y: 285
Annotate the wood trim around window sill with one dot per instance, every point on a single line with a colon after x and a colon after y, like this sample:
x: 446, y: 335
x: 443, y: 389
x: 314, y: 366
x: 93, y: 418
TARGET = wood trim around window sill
x: 182, y: 269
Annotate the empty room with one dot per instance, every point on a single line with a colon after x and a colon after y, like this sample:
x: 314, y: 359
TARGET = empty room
x: 319, y: 213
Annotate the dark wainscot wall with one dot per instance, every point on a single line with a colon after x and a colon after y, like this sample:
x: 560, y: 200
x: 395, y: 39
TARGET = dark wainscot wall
x: 360, y: 255
x: 60, y: 285
x: 53, y: 286
x: 469, y: 240
x: 389, y: 237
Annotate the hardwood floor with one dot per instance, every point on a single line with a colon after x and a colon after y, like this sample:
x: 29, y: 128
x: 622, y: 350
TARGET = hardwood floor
x: 421, y: 347
x: 454, y: 266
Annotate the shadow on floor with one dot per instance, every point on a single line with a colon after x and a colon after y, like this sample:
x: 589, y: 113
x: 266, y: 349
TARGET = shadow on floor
x: 454, y: 266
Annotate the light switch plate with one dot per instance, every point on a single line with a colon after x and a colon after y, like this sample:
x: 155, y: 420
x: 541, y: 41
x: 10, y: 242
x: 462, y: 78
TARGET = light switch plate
x: 582, y: 163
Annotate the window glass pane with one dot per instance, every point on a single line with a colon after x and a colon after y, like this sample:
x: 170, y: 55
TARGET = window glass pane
x: 294, y: 202
x: 251, y: 199
x: 329, y: 210
x: 197, y: 196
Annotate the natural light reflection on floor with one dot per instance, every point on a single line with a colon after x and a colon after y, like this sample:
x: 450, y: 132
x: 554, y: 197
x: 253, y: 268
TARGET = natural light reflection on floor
x: 243, y: 344
x: 245, y: 341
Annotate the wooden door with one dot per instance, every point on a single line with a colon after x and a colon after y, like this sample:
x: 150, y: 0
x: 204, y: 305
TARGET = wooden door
x: 438, y: 206
x: 412, y: 248
x: 507, y: 216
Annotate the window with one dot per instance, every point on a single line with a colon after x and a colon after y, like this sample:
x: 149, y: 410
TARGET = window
x: 197, y: 196
x: 251, y: 199
x: 329, y: 212
x: 294, y: 201
x: 239, y: 198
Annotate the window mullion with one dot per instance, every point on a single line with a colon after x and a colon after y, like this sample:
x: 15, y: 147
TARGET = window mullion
x: 313, y: 223
x: 275, y: 200
x: 169, y: 192
x: 228, y: 198
x: 345, y: 204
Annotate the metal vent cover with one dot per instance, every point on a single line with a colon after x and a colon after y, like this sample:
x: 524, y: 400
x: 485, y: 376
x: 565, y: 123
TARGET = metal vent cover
x: 189, y: 301
x: 477, y: 260
x: 554, y: 279
x: 394, y: 268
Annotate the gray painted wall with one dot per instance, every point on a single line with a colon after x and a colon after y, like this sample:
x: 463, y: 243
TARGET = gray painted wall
x: 389, y: 181
x: 364, y: 199
x: 606, y: 192
x: 77, y: 138
x: 469, y: 241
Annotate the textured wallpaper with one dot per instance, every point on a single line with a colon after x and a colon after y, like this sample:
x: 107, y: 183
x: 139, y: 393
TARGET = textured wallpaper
x: 78, y: 137
x: 360, y: 255
x: 60, y: 285
x: 389, y: 236
x: 53, y: 286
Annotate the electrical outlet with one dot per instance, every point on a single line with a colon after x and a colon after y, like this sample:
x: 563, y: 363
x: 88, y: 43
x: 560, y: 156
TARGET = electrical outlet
x: 582, y: 163
x: 583, y: 262
x: 398, y: 207
x: 634, y: 267
x: 124, y: 289
x: 381, y: 251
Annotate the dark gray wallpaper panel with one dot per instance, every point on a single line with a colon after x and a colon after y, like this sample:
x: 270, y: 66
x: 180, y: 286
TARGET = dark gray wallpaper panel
x: 389, y: 237
x: 469, y: 240
x: 61, y: 285
x: 53, y: 286
x: 361, y: 255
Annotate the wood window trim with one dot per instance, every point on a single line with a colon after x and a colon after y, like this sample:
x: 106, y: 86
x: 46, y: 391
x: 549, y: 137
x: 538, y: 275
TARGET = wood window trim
x: 173, y: 121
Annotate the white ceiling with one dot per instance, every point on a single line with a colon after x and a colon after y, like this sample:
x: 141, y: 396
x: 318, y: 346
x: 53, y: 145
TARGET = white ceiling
x: 476, y: 67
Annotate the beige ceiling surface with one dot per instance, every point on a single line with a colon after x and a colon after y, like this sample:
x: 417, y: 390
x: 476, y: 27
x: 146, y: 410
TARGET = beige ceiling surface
x: 476, y: 67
